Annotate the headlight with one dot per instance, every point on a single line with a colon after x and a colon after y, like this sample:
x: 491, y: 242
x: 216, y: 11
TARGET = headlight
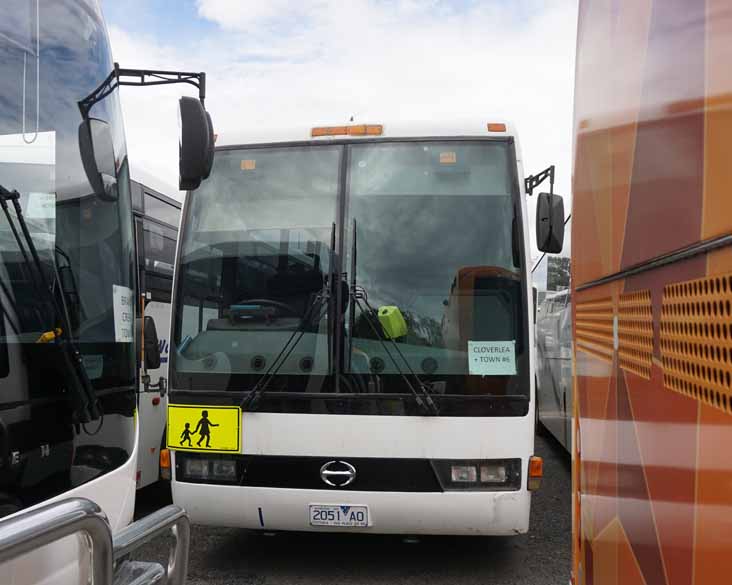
x: 463, y: 473
x: 493, y: 473
x: 477, y: 475
x: 208, y: 470
x: 196, y: 468
x: 224, y: 469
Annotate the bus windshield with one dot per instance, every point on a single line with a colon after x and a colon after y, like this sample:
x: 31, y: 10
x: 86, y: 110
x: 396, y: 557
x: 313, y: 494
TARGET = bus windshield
x: 429, y: 287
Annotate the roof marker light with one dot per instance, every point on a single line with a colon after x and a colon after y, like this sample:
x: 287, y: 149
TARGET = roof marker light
x: 496, y: 127
x: 358, y: 130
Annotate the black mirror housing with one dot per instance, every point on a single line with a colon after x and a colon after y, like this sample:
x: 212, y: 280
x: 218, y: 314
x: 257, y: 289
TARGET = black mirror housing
x: 152, y: 345
x: 196, y: 144
x: 550, y: 223
x: 96, y: 148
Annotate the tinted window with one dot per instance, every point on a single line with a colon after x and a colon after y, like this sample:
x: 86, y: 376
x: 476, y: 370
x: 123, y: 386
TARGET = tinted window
x: 161, y: 210
x: 159, y: 248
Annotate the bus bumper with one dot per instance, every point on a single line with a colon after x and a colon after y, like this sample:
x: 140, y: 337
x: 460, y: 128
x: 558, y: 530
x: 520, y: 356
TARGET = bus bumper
x: 455, y: 513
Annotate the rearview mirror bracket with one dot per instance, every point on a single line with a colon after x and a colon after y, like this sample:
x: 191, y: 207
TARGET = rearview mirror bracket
x: 197, y: 138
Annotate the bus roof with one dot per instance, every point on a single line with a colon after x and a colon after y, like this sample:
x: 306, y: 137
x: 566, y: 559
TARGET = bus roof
x: 391, y: 129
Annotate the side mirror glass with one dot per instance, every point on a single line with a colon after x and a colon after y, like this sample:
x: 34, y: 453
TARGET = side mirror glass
x: 550, y: 223
x: 152, y: 345
x: 96, y: 147
x: 195, y: 144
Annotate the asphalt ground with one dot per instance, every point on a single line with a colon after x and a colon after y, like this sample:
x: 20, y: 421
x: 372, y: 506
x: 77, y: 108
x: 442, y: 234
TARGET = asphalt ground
x: 240, y: 557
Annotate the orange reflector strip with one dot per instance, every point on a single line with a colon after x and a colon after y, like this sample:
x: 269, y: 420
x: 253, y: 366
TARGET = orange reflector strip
x: 359, y: 130
x: 496, y: 127
x: 164, y: 459
x: 536, y: 467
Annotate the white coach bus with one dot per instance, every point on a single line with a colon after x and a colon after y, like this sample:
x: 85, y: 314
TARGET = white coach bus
x: 352, y: 344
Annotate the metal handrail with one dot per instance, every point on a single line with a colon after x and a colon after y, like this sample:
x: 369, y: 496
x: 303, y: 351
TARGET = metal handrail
x: 171, y: 518
x: 35, y: 528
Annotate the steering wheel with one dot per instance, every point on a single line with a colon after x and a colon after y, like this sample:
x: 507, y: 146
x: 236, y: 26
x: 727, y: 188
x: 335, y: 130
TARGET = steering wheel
x: 270, y: 303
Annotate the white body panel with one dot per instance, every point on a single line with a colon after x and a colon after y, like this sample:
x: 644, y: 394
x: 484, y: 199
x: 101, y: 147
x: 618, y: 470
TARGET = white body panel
x: 66, y: 562
x: 554, y: 367
x: 472, y: 513
x: 497, y: 513
x: 153, y: 416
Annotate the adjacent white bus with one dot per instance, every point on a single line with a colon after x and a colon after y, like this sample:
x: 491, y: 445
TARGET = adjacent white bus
x: 69, y: 424
x: 156, y: 233
x: 352, y: 344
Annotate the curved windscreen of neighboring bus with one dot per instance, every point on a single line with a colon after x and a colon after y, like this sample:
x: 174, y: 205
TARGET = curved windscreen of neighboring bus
x: 81, y: 289
x: 437, y: 268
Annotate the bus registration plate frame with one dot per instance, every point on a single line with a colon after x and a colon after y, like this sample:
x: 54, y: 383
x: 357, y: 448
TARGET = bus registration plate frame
x: 340, y: 515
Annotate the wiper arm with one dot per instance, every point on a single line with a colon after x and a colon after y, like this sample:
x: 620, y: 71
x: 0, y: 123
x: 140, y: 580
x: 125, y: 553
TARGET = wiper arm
x: 251, y: 401
x: 322, y: 300
x: 422, y: 397
x: 82, y: 391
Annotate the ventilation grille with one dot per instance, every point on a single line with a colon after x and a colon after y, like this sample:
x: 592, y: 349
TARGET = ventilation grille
x: 635, y: 333
x: 696, y: 339
x: 594, y: 327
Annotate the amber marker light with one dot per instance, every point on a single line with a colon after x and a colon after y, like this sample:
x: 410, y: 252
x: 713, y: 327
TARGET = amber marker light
x: 536, y: 472
x: 165, y: 464
x: 358, y: 130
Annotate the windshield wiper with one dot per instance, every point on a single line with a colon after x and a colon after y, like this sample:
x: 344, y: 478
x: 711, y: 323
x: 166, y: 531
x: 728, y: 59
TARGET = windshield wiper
x: 80, y: 386
x: 422, y: 396
x: 321, y: 301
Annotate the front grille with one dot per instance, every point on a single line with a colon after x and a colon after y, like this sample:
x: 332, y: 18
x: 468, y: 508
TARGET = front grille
x: 374, y: 474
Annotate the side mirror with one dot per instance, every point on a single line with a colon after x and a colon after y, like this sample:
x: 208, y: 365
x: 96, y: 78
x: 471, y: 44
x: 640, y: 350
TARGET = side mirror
x: 195, y: 144
x: 550, y: 223
x: 152, y: 345
x: 97, y: 156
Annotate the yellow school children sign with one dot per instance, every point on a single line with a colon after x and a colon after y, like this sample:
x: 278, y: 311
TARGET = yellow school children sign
x: 214, y: 429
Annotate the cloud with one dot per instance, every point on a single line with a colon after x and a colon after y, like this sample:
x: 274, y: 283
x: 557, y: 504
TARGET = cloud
x: 281, y: 64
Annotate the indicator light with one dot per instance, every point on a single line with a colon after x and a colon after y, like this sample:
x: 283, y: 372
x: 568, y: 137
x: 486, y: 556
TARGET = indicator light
x: 536, y: 472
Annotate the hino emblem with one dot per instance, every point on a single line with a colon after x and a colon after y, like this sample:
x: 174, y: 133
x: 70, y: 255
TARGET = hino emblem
x: 338, y: 473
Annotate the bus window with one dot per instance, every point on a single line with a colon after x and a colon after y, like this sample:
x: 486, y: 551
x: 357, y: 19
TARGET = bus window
x: 161, y: 210
x: 159, y: 248
x: 136, y: 193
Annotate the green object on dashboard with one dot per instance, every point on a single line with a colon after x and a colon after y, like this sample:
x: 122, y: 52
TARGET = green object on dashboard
x: 392, y: 322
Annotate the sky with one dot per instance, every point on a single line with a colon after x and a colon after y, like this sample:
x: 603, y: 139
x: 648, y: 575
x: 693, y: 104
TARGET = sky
x: 277, y: 64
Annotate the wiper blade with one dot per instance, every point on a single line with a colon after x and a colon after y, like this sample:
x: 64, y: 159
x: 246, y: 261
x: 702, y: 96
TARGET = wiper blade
x: 82, y: 391
x: 422, y: 397
x: 252, y: 400
x: 322, y: 301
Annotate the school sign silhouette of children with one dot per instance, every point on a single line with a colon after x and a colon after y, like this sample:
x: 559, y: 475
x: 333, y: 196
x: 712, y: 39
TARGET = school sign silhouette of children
x: 204, y: 426
x: 186, y: 435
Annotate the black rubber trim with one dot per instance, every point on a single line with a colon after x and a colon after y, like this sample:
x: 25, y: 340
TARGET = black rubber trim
x: 375, y: 474
x: 663, y: 260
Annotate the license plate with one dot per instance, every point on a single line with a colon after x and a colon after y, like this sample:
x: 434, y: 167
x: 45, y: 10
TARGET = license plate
x: 339, y: 515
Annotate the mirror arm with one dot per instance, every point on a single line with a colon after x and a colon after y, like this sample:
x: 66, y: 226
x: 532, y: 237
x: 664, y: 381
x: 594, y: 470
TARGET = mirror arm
x: 141, y: 77
x: 533, y: 181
